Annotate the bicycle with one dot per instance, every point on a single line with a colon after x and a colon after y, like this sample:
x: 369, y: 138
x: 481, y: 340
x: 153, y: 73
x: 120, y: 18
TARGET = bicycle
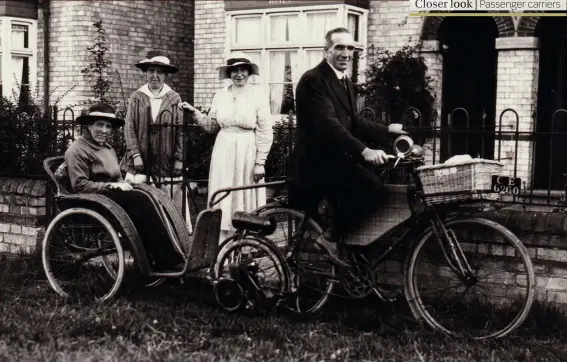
x: 443, y: 228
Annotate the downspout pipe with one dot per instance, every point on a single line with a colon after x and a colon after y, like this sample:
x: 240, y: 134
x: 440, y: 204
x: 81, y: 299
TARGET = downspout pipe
x: 46, y: 20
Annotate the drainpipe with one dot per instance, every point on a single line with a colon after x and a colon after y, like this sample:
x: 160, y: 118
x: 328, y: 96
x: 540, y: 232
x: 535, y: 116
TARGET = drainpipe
x: 46, y: 19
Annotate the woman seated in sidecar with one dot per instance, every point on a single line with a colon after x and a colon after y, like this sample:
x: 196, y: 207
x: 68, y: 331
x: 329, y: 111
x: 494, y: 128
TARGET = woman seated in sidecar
x: 91, y: 166
x: 91, y: 162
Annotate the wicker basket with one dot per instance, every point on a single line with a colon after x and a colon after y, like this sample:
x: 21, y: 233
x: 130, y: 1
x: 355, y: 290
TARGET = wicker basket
x: 466, y: 181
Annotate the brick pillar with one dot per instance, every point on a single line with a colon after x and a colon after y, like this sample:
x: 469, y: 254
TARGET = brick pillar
x: 210, y: 48
x: 517, y: 82
x: 431, y: 53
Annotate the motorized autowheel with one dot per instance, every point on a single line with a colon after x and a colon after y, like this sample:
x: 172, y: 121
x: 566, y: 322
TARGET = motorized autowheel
x: 229, y: 294
x: 82, y: 256
x: 256, y: 265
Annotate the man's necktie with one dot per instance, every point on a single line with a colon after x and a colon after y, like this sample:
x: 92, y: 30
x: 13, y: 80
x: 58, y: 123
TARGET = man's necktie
x: 345, y: 84
x: 347, y: 90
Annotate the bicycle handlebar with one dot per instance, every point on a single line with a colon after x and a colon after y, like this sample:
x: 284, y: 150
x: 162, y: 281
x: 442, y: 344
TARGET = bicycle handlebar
x: 227, y: 190
x: 405, y: 159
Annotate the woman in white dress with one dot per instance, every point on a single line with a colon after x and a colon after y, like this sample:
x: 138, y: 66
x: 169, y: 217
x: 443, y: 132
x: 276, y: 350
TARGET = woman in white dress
x: 241, y: 114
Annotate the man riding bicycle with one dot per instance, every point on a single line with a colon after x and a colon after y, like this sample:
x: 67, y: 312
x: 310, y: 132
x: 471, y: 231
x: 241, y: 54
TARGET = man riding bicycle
x: 329, y: 156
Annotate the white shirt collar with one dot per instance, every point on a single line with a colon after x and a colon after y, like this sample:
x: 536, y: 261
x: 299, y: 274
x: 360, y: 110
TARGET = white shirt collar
x: 146, y: 90
x: 339, y: 74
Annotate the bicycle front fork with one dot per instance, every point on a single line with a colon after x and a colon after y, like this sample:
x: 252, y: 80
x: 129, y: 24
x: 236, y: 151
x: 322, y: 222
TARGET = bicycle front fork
x: 451, y: 250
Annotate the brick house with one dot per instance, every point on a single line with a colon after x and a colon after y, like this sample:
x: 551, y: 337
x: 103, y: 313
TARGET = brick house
x: 484, y: 65
x: 53, y: 52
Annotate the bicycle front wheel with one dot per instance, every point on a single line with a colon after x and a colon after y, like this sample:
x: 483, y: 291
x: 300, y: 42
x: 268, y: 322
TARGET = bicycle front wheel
x: 470, y: 277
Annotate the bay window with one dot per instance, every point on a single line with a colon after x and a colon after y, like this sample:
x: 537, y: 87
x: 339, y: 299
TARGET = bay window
x: 286, y: 42
x: 18, y: 49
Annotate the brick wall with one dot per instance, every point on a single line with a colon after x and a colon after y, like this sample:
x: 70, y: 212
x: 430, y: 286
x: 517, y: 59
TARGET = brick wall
x: 390, y: 26
x: 22, y: 227
x: 132, y: 29
x: 22, y: 213
x: 210, y: 40
x: 545, y: 236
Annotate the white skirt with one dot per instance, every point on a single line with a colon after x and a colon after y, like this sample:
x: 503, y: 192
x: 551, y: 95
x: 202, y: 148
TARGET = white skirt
x: 232, y: 164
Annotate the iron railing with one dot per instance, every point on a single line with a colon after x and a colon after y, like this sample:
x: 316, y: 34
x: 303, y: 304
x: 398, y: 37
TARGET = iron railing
x: 532, y: 149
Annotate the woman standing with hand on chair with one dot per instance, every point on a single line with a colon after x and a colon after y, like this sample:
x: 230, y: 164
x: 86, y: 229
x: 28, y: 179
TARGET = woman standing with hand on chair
x: 154, y: 133
x: 241, y: 114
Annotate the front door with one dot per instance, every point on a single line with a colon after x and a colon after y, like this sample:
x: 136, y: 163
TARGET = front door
x: 469, y: 86
x: 551, y: 103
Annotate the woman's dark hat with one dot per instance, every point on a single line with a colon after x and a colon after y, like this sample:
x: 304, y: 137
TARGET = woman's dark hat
x: 100, y: 111
x: 237, y: 59
x: 159, y: 59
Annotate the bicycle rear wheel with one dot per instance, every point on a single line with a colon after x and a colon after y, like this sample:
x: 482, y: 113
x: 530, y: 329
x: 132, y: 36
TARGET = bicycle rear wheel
x: 470, y: 277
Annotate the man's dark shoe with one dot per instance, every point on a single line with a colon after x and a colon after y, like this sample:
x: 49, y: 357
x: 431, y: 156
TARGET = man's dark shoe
x: 324, y: 242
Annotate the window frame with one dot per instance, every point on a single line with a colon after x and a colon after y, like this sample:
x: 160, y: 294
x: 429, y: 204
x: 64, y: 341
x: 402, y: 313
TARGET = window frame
x: 342, y: 12
x: 7, y: 51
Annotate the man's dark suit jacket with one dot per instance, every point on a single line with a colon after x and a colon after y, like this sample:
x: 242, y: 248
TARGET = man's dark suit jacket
x: 329, y: 133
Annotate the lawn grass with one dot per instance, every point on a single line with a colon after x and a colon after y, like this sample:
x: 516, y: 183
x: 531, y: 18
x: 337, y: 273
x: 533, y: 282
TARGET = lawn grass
x: 182, y: 323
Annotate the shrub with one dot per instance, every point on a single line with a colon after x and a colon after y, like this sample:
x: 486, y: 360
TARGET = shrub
x: 276, y: 164
x: 26, y: 134
x: 396, y: 81
x: 98, y: 75
x: 199, y: 149
x: 96, y: 72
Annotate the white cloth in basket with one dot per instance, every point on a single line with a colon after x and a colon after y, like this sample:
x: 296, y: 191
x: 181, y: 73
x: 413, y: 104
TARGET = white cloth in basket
x: 458, y: 160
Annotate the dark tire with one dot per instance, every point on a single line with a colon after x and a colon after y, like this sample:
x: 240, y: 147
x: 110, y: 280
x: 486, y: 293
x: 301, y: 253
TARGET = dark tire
x: 71, y: 261
x: 505, y: 299
x: 274, y: 284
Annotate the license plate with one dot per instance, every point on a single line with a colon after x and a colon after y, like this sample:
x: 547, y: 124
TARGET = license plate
x: 506, y: 185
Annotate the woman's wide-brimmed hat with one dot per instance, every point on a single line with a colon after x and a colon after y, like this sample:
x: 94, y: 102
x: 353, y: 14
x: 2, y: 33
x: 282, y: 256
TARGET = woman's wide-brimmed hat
x: 159, y: 59
x: 237, y: 59
x: 101, y: 111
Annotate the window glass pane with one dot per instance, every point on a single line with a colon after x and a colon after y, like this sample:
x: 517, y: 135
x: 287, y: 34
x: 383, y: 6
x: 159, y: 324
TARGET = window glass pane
x: 248, y: 30
x: 314, y: 57
x: 20, y: 71
x: 20, y: 36
x: 284, y: 28
x: 318, y: 24
x: 283, y: 77
x: 353, y: 26
x: 256, y: 58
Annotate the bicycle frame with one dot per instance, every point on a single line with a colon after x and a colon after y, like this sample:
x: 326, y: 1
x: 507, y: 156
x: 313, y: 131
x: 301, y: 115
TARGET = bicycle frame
x: 413, y: 227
